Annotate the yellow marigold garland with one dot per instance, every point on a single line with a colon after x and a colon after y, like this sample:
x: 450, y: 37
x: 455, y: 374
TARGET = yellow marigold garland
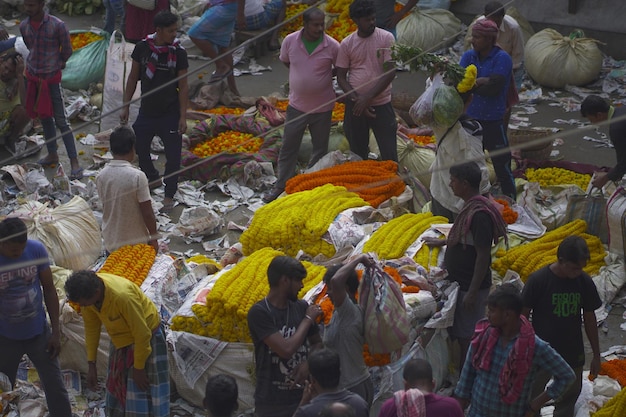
x: 230, y: 141
x: 469, y: 79
x: 374, y: 181
x: 338, y: 113
x: 528, y: 258
x: 547, y: 177
x: 224, y: 316
x: 615, y: 407
x: 132, y: 262
x: 293, y: 25
x: 393, y: 238
x: 298, y: 221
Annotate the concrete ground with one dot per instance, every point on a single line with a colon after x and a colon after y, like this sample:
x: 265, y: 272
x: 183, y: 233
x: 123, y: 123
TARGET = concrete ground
x: 573, y: 147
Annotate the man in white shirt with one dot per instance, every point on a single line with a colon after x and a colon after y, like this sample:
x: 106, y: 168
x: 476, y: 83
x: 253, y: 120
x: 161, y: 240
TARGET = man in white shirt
x: 510, y: 37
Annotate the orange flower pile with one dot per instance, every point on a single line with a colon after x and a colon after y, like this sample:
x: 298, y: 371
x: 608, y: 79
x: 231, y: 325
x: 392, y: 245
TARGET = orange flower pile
x: 224, y: 110
x: 83, y: 39
x: 341, y: 28
x: 230, y: 142
x: 132, y: 262
x: 615, y: 369
x: 510, y: 216
x: 421, y: 140
x: 373, y: 181
x: 375, y: 359
x: 338, y: 110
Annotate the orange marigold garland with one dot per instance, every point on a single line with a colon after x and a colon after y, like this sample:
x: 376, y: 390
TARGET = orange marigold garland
x: 132, y: 262
x: 82, y: 39
x: 225, y: 110
x: 420, y: 139
x: 373, y: 181
x: 615, y: 369
x: 510, y: 216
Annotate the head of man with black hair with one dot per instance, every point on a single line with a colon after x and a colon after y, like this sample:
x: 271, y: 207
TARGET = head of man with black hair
x: 363, y: 13
x: 324, y: 368
x: 220, y: 397
x: 13, y: 237
x: 595, y: 108
x: 122, y: 143
x: 572, y: 256
x: 166, y: 25
x: 504, y: 307
x: 313, y: 24
x: 465, y: 179
x: 494, y: 10
x: 418, y: 374
x: 285, y: 275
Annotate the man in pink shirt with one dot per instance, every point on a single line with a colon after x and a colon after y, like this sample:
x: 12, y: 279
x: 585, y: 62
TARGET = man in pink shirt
x: 310, y: 55
x: 365, y: 72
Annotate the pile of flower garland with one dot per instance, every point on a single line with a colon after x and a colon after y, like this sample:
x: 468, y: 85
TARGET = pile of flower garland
x: 83, y: 39
x: 547, y: 177
x: 373, y: 181
x: 225, y: 110
x: 230, y: 141
x: 428, y: 256
x: 132, y: 262
x: 393, y: 238
x: 528, y: 258
x: 295, y: 24
x: 615, y: 369
x: 225, y: 315
x: 508, y: 214
x: 421, y: 140
x: 339, y: 110
x: 298, y: 221
x: 615, y: 407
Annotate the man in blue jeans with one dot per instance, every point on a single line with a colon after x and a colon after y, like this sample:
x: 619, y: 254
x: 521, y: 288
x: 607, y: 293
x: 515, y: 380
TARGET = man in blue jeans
x: 157, y: 60
x: 113, y: 8
x: 25, y: 285
x: 48, y: 41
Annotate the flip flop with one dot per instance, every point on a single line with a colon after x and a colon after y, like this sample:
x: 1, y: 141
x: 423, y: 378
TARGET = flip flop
x: 76, y: 174
x: 216, y: 78
x: 47, y: 164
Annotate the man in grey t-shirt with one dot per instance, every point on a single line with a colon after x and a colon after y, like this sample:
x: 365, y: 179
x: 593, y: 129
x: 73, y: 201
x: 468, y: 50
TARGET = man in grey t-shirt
x: 322, y: 388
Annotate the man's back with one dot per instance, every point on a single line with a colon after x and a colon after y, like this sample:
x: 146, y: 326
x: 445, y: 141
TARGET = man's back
x: 436, y: 406
x: 318, y: 403
x: 121, y: 188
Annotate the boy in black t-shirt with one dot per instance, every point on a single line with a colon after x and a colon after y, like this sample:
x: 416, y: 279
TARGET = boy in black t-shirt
x: 157, y: 61
x: 282, y: 329
x: 556, y: 295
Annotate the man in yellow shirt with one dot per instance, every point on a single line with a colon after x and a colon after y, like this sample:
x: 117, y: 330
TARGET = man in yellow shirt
x: 138, y: 377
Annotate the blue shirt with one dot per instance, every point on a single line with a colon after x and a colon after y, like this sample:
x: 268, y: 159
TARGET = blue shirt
x: 21, y: 298
x: 482, y: 387
x: 497, y: 62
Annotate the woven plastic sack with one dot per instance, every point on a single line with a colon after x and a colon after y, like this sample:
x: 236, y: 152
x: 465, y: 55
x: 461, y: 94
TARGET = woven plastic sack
x: 381, y: 300
x: 590, y: 207
x: 70, y: 232
x: 118, y: 64
x: 86, y: 65
x: 416, y: 159
x: 616, y: 217
x: 429, y: 29
x: 554, y: 60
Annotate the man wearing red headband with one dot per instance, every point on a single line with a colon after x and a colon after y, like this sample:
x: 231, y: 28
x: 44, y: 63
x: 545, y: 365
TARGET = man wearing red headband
x: 489, y: 104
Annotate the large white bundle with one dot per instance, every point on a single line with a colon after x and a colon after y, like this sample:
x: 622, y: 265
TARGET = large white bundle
x: 554, y: 60
x: 69, y: 232
x: 430, y: 29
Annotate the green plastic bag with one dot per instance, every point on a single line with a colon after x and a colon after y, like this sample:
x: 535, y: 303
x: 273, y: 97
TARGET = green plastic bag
x: 86, y: 65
